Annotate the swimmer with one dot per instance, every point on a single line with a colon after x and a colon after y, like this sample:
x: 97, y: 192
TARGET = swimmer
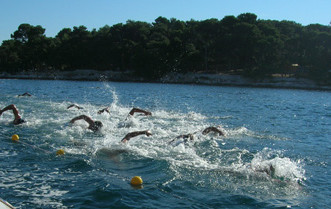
x: 213, y: 129
x: 74, y: 105
x: 134, y: 134
x: 17, y: 120
x: 104, y: 110
x: 25, y: 94
x: 186, y: 137
x: 93, y: 125
x: 270, y: 170
x: 134, y: 110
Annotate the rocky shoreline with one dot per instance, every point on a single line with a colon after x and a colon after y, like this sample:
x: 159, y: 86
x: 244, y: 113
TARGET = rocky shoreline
x: 173, y: 78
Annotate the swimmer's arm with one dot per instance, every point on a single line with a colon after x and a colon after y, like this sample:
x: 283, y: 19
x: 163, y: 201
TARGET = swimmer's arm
x: 25, y: 94
x: 216, y: 130
x: 103, y: 110
x: 172, y: 141
x: 191, y: 137
x: 74, y: 105
x: 219, y: 131
x: 14, y: 109
x: 70, y: 106
x: 134, y: 134
x: 206, y: 131
x: 186, y: 136
x: 177, y: 137
x: 134, y: 110
x: 83, y: 117
x: 209, y: 129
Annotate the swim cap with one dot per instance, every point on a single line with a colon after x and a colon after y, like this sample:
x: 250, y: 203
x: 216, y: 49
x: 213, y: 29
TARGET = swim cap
x: 98, y: 124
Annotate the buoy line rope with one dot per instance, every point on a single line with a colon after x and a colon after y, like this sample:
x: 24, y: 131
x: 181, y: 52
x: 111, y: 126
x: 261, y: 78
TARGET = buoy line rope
x: 34, y: 147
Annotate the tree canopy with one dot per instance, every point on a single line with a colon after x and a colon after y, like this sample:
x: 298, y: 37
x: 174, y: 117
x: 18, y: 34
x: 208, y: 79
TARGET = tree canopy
x: 243, y: 44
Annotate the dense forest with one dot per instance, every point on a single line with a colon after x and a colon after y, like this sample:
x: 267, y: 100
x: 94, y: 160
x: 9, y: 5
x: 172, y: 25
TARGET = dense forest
x: 244, y: 45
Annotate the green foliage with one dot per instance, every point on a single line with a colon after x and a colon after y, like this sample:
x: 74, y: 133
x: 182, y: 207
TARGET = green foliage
x: 26, y: 33
x: 242, y: 44
x: 28, y: 49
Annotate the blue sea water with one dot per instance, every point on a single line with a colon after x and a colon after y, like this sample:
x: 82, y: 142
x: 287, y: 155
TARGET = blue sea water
x: 289, y: 130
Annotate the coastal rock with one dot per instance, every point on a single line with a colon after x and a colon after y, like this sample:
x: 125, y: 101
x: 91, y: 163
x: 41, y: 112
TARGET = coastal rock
x: 177, y: 78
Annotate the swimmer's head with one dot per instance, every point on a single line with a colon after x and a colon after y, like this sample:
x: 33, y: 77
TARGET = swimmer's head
x: 191, y: 137
x: 98, y: 124
x: 19, y: 121
x: 148, y: 133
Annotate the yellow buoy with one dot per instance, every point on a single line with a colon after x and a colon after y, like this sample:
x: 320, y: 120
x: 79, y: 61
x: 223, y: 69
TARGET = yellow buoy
x: 15, y: 137
x: 136, y: 181
x: 60, y: 152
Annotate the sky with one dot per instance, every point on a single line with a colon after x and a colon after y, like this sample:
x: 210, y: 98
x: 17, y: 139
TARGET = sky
x: 54, y: 15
